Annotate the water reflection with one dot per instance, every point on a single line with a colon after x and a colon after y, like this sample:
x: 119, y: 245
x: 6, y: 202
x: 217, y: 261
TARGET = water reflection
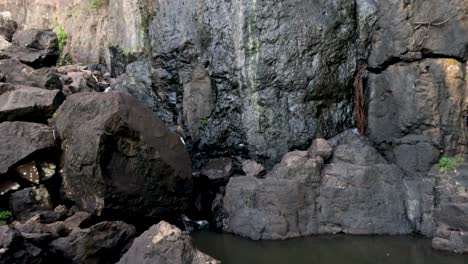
x: 324, y: 250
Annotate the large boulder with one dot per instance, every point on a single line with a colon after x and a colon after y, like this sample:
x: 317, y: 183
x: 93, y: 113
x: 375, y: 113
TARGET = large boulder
x: 14, y: 248
x: 165, y: 244
x: 34, y: 47
x: 24, y: 103
x: 20, y: 140
x: 15, y: 72
x: 278, y: 207
x: 358, y: 192
x: 101, y: 243
x: 119, y: 159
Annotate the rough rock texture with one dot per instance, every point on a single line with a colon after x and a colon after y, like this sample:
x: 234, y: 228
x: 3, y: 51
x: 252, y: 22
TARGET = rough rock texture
x: 133, y: 165
x: 357, y: 193
x: 360, y: 192
x: 281, y: 71
x: 8, y: 26
x: 93, y: 28
x: 165, y: 244
x: 451, y: 212
x: 404, y: 32
x: 198, y: 102
x: 28, y: 202
x: 101, y: 243
x: 218, y: 169
x: 4, y: 44
x: 416, y: 112
x: 20, y: 140
x: 252, y: 168
x: 13, y: 71
x: 137, y: 81
x: 14, y: 248
x: 23, y: 103
x: 34, y: 47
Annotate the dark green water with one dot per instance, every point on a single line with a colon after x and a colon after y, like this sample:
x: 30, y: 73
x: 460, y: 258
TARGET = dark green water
x: 324, y: 250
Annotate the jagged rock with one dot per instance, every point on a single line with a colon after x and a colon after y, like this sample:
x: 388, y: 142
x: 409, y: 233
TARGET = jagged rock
x: 448, y: 239
x: 117, y: 138
x: 270, y: 96
x: 20, y: 140
x: 4, y: 44
x: 252, y: 168
x: 165, y: 244
x: 278, y: 207
x: 34, y: 47
x: 219, y: 169
x: 58, y: 214
x: 81, y: 82
x: 411, y: 119
x: 101, y: 243
x: 357, y: 193
x: 451, y: 209
x: 405, y: 34
x: 8, y: 26
x: 199, y: 101
x: 77, y: 219
x: 360, y: 193
x: 137, y: 82
x: 14, y: 248
x: 321, y: 148
x: 23, y: 103
x: 30, y: 201
x: 13, y: 71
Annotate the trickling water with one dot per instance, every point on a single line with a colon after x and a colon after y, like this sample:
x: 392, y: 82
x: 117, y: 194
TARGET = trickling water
x: 324, y: 250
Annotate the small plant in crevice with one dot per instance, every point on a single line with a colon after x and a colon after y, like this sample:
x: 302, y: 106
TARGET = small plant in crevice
x: 62, y: 37
x: 447, y: 164
x: 203, y: 122
x: 5, y: 217
x: 95, y: 4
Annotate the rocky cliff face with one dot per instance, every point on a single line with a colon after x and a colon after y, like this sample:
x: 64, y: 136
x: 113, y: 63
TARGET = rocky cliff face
x: 249, y: 84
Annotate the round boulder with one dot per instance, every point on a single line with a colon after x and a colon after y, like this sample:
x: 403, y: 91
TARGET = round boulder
x: 119, y: 160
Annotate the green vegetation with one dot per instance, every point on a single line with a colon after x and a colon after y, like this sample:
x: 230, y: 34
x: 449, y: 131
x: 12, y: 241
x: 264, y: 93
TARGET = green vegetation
x: 126, y: 52
x: 5, y: 217
x: 95, y: 4
x: 61, y: 35
x: 446, y: 164
x: 204, y: 122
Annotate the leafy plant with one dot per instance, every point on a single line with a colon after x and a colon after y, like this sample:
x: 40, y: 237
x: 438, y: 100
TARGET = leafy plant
x: 5, y: 217
x: 95, y: 4
x: 446, y: 164
x: 61, y: 35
